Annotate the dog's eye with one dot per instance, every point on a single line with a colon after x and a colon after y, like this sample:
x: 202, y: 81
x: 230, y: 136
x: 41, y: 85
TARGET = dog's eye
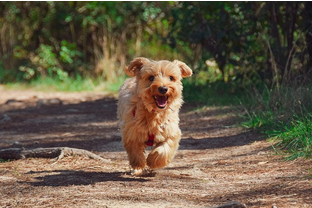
x: 171, y: 78
x: 151, y: 78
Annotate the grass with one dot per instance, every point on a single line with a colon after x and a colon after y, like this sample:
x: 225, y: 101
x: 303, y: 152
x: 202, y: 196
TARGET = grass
x: 3, y: 160
x: 295, y: 137
x: 292, y: 137
x: 284, y: 116
x: 70, y: 84
x: 258, y: 120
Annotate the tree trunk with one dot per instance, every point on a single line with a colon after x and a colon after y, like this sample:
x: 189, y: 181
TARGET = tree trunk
x: 291, y: 14
x: 308, y: 10
x: 276, y: 35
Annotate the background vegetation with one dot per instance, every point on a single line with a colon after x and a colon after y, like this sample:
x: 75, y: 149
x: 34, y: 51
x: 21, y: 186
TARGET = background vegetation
x: 258, y: 54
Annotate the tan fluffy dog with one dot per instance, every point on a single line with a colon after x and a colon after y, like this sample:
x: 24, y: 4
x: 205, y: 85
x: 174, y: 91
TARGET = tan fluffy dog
x: 148, y: 110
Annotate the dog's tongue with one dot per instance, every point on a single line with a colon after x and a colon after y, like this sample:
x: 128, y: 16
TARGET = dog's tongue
x: 161, y: 100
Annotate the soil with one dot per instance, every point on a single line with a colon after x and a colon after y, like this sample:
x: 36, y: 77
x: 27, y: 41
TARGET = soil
x: 218, y: 161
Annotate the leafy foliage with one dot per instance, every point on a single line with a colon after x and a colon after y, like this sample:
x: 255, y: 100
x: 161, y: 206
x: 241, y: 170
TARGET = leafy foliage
x: 251, y: 42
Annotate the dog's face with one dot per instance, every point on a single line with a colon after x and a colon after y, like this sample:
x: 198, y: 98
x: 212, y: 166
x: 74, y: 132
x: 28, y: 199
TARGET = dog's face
x: 158, y: 82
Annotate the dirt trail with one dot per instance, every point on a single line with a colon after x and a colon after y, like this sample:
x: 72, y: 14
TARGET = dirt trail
x: 216, y: 163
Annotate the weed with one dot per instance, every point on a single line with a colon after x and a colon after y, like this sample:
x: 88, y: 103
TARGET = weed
x: 296, y: 137
x: 3, y: 161
x: 283, y: 115
x: 258, y: 120
x: 16, y: 172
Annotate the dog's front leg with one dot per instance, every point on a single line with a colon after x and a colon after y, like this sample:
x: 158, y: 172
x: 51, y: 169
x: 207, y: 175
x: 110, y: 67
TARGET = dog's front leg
x: 162, y: 154
x: 136, y: 155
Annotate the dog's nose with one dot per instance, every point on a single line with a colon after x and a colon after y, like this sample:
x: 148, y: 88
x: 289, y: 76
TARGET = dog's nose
x: 163, y: 90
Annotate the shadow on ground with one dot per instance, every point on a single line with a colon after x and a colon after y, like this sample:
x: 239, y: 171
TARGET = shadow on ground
x: 69, y: 178
x: 92, y: 125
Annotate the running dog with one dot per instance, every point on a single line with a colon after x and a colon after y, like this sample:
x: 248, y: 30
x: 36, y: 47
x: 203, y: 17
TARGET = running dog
x: 148, y: 112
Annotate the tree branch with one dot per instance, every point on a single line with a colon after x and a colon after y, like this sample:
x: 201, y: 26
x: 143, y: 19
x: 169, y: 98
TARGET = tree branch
x: 54, y: 152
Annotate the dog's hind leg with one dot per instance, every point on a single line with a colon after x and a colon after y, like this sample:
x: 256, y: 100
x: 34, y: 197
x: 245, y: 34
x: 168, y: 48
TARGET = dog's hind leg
x: 162, y: 154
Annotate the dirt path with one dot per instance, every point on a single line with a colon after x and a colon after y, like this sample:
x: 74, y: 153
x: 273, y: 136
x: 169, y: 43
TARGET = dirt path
x: 216, y: 163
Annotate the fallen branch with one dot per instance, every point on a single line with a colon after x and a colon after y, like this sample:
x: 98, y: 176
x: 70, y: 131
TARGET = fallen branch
x: 53, y: 152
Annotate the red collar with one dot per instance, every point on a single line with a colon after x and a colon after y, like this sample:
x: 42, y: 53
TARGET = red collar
x: 150, y: 141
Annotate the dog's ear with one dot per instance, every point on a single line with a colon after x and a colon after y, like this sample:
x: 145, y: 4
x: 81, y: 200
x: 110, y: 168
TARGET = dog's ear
x: 135, y: 66
x: 185, y: 70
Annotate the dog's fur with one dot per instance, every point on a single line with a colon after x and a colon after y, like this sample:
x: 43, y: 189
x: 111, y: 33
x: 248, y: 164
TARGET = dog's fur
x: 149, y: 104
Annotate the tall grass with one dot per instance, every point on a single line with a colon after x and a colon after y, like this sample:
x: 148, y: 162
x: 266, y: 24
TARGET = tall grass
x: 296, y: 136
x: 284, y: 115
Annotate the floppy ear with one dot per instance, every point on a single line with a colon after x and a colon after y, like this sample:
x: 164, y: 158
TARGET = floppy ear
x: 185, y: 70
x: 135, y: 66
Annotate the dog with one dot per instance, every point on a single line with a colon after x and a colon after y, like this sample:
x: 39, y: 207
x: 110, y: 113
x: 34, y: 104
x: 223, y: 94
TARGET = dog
x: 148, y: 112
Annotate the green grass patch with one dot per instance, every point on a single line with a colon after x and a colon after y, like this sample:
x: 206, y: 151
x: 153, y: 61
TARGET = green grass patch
x: 284, y: 116
x: 295, y: 137
x: 3, y: 160
x: 258, y: 120
x: 69, y: 84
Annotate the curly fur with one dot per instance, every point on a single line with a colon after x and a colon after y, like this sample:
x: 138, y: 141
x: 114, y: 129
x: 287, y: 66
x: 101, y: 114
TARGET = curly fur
x: 145, y: 108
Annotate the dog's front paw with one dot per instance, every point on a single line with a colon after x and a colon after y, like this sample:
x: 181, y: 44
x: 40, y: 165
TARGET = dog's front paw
x: 155, y: 160
x: 137, y: 172
x: 146, y: 172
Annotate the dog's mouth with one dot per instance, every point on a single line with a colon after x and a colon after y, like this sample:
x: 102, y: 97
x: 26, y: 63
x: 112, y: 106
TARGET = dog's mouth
x: 161, y: 101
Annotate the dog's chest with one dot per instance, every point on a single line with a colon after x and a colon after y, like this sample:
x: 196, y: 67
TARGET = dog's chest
x: 161, y: 126
x: 164, y: 126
